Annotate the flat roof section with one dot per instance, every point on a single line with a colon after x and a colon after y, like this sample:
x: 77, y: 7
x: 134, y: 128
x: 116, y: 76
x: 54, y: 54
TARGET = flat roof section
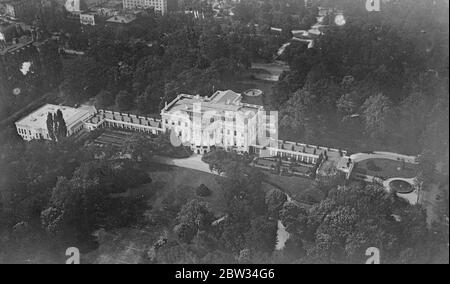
x: 220, y: 101
x: 38, y: 118
x: 225, y: 97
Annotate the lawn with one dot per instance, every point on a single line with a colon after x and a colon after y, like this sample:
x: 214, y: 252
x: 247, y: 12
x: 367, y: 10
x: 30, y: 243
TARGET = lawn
x: 173, y: 180
x: 290, y: 184
x: 386, y: 168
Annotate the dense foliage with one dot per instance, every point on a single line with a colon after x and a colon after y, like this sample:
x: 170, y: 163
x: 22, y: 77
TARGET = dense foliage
x: 378, y: 82
x: 54, y: 195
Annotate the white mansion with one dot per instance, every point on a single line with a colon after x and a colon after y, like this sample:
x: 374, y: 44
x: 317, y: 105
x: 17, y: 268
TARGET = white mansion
x: 221, y: 120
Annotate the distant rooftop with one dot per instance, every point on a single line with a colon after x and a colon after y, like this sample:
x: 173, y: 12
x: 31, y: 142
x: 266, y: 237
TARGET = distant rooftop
x: 122, y: 19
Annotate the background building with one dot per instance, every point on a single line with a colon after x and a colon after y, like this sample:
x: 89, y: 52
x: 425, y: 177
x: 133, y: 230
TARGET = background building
x: 20, y: 8
x: 120, y: 20
x: 88, y: 19
x: 158, y: 5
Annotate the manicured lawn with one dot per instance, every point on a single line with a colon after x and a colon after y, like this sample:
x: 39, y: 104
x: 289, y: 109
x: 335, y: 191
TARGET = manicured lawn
x: 173, y: 180
x: 386, y: 168
x: 291, y: 184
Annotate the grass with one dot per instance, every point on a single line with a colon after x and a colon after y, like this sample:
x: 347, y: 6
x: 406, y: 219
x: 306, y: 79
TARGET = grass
x: 386, y: 168
x: 175, y: 179
x: 290, y: 184
x: 169, y: 180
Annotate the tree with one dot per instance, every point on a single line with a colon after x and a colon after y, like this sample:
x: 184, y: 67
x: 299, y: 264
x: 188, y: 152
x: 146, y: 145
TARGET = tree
x: 275, y: 199
x: 84, y: 203
x: 193, y: 217
x: 355, y: 217
x: 299, y: 116
x: 124, y: 100
x: 262, y: 236
x: 104, y: 99
x: 60, y: 125
x: 72, y: 209
x: 377, y: 113
x: 294, y: 218
x: 83, y: 78
x: 348, y: 104
x: 56, y: 126
x: 50, y: 126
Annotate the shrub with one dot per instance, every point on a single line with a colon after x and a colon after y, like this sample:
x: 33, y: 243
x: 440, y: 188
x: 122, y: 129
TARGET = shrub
x: 203, y: 191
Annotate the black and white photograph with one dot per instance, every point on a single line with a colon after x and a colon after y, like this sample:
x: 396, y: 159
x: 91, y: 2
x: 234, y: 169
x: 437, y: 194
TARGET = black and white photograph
x: 224, y: 139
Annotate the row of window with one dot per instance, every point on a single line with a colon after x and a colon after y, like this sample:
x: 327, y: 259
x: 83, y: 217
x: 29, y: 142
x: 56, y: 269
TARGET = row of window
x: 23, y: 131
x: 36, y: 136
x: 186, y: 125
x: 302, y: 158
x: 211, y: 120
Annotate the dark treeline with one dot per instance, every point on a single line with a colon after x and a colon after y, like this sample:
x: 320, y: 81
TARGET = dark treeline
x: 378, y: 82
x: 55, y: 195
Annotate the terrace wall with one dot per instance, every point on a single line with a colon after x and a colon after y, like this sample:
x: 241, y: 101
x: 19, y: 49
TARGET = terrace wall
x: 107, y: 118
